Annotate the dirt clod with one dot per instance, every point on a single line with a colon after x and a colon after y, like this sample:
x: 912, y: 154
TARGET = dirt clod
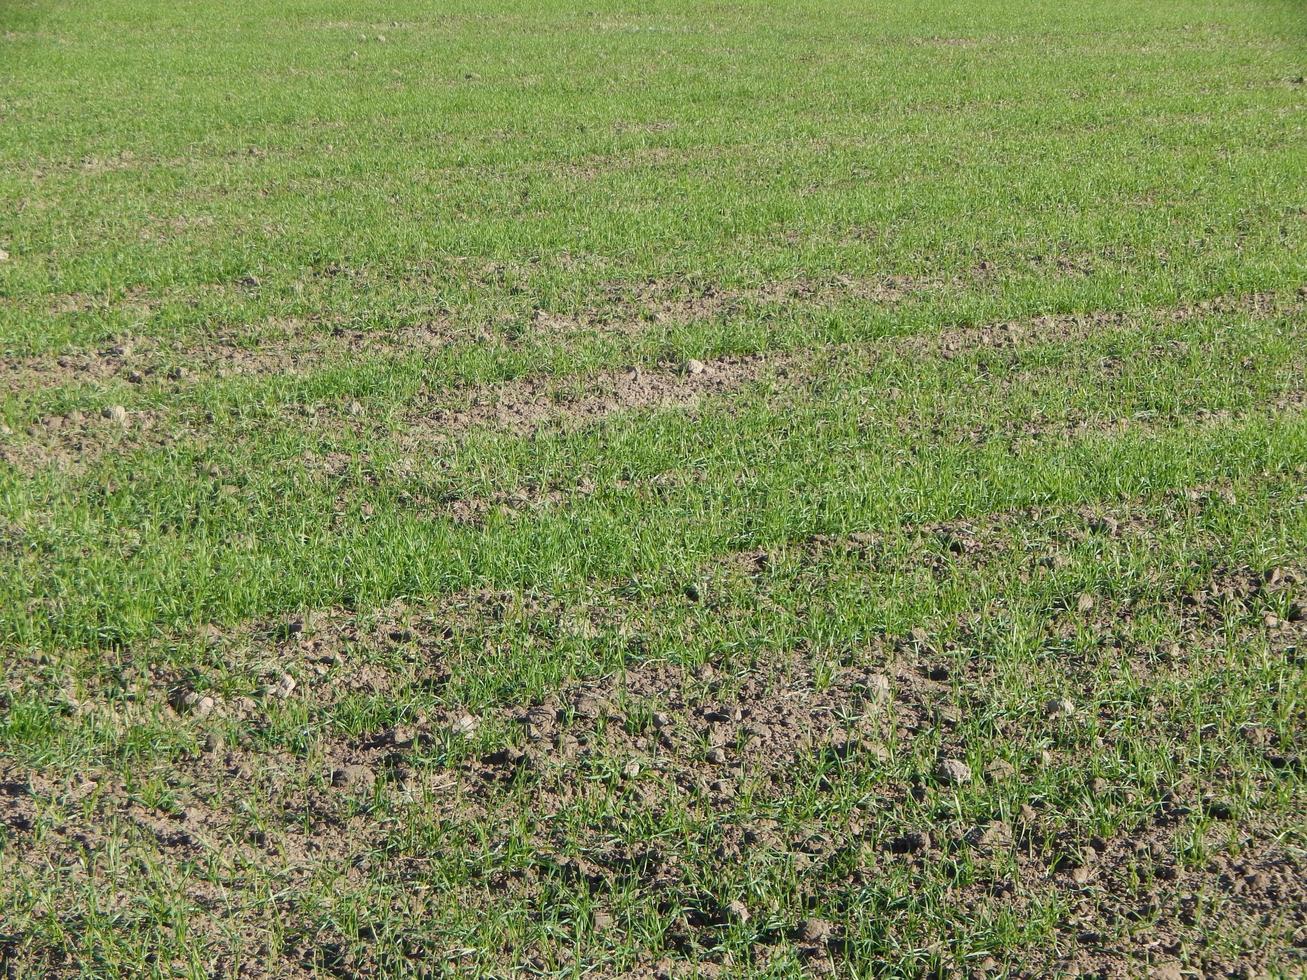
x: 817, y: 932
x: 281, y: 688
x: 190, y: 702
x: 953, y: 772
x: 465, y: 724
x: 355, y: 778
x: 1059, y: 708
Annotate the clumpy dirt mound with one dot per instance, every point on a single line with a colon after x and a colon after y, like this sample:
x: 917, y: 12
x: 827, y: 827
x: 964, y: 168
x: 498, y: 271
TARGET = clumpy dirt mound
x: 531, y: 404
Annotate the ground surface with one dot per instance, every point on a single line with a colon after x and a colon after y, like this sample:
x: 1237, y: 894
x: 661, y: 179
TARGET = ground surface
x: 653, y: 489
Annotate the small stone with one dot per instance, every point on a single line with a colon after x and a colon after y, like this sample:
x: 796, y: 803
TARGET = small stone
x: 354, y: 408
x: 716, y: 756
x: 135, y: 377
x: 586, y: 706
x: 954, y: 772
x: 737, y: 910
x: 116, y: 414
x: 603, y: 921
x: 877, y: 688
x: 193, y: 703
x: 464, y: 724
x: 4, y: 256
x: 1085, y: 603
x: 281, y: 688
x: 1271, y: 620
x: 661, y: 719
x: 722, y: 787
x: 212, y: 742
x: 355, y: 778
x: 695, y: 367
x: 631, y: 769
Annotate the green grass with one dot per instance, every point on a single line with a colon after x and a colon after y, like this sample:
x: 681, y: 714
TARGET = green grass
x: 1003, y: 316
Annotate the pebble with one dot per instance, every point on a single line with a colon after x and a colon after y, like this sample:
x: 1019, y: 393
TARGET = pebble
x: 281, y: 688
x: 877, y: 688
x: 695, y: 367
x: 465, y: 724
x: 116, y: 414
x: 716, y: 756
x: 194, y: 703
